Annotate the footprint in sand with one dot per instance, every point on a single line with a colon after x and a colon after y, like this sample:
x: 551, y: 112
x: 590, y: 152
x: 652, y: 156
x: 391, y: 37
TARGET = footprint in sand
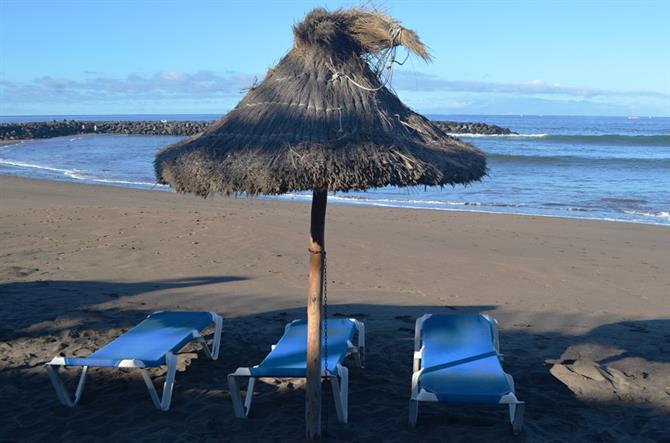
x: 16, y: 272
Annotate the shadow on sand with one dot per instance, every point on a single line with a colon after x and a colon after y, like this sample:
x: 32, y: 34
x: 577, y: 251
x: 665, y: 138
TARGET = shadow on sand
x: 116, y: 404
x: 74, y: 298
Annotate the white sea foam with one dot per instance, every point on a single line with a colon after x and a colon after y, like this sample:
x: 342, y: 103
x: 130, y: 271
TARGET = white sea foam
x: 11, y: 144
x: 79, y: 175
x: 125, y: 182
x: 34, y: 166
x: 402, y: 201
x: 114, y: 181
x: 474, y: 207
x: 468, y: 134
x: 661, y: 214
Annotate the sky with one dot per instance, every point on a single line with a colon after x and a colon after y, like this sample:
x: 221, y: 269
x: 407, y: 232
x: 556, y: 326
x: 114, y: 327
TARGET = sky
x: 490, y: 57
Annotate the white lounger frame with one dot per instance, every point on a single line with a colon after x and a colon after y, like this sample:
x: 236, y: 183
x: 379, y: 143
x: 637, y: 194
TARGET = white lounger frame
x: 516, y: 407
x: 339, y: 384
x: 212, y: 351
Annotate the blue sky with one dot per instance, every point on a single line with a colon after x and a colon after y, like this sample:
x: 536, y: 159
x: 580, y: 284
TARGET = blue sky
x: 490, y: 57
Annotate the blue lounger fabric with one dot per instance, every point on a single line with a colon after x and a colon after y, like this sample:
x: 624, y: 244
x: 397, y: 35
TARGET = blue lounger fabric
x: 289, y: 357
x: 460, y: 363
x: 149, y: 341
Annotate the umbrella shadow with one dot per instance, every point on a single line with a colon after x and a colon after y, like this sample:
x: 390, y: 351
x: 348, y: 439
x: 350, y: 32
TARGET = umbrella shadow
x: 648, y: 339
x: 48, y: 299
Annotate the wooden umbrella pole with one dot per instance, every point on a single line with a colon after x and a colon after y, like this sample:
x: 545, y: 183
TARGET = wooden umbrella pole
x: 314, y: 302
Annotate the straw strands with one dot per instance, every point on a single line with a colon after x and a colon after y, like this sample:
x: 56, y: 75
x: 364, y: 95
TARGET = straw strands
x: 324, y: 118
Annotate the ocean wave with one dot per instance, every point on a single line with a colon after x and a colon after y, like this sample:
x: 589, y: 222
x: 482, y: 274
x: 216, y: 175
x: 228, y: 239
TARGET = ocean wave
x: 611, y: 139
x: 372, y: 200
x: 472, y: 135
x: 8, y: 144
x: 602, y: 139
x: 572, y: 212
x: 562, y: 159
x: 116, y: 181
x: 79, y: 175
x: 431, y: 204
x: 34, y: 166
x: 665, y: 215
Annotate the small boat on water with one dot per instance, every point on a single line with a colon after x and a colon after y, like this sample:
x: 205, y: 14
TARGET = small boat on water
x: 633, y: 117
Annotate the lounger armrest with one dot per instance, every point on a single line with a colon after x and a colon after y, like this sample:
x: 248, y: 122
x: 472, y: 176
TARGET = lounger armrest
x: 418, y: 329
x: 56, y: 361
x: 289, y: 324
x: 242, y: 372
x: 85, y: 361
x: 495, y: 332
x: 216, y: 340
x: 418, y: 356
x: 360, y: 327
x: 415, y: 384
x: 360, y: 348
x: 509, y: 398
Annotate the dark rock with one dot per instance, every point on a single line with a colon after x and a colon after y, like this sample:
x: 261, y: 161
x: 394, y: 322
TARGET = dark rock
x: 31, y: 130
x: 472, y: 128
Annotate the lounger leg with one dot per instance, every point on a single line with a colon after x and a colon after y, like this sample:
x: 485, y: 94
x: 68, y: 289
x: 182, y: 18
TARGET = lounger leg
x: 414, y: 404
x: 240, y: 408
x: 413, y: 412
x: 164, y: 403
x: 361, y: 345
x: 236, y: 396
x: 516, y: 408
x: 250, y: 395
x: 510, y: 380
x: 357, y: 358
x: 152, y: 389
x: 168, y: 386
x: 212, y: 350
x: 516, y: 412
x: 59, y: 387
x: 341, y: 393
x: 511, y: 406
x: 217, y: 338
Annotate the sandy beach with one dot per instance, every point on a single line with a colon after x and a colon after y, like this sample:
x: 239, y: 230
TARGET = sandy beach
x: 583, y: 307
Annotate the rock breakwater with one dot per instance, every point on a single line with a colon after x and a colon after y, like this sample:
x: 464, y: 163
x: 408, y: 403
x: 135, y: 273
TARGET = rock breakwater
x: 61, y: 128
x: 472, y: 128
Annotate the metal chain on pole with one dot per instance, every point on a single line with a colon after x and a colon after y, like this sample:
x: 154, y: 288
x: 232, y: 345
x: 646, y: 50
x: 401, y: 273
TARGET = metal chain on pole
x: 325, y: 339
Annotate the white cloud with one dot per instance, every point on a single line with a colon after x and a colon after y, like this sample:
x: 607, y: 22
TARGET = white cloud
x: 164, y: 85
x: 207, y: 91
x: 419, y: 81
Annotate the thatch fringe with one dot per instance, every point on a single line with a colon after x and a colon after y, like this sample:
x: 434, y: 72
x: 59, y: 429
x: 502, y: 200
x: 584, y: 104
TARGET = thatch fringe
x: 355, y: 30
x: 322, y: 119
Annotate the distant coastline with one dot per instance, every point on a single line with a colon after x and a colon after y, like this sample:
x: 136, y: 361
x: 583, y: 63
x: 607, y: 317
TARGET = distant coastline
x: 10, y: 132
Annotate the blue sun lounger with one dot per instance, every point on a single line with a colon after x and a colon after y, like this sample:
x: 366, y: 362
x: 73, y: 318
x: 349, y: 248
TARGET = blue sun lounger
x: 288, y: 359
x: 150, y: 344
x: 457, y: 360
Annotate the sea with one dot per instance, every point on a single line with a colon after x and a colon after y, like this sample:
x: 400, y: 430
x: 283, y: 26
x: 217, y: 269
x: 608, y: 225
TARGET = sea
x: 602, y: 168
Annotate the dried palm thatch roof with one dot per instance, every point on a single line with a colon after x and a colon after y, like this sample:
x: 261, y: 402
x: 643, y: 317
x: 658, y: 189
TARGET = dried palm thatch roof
x: 323, y: 119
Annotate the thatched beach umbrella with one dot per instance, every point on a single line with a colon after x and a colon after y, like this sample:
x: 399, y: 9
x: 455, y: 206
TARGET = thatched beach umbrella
x: 322, y: 120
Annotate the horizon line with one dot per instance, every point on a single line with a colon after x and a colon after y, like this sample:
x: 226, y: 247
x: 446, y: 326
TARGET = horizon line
x: 425, y: 114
